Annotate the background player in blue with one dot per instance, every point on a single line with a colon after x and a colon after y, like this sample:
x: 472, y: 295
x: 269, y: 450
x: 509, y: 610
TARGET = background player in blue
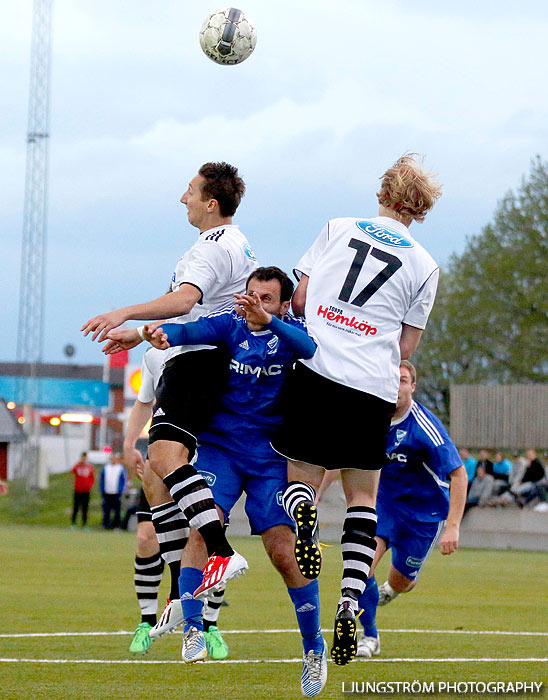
x: 234, y: 453
x: 421, y: 489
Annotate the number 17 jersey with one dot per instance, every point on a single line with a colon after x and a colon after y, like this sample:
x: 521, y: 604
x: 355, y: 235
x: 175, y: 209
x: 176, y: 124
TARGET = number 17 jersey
x: 367, y: 277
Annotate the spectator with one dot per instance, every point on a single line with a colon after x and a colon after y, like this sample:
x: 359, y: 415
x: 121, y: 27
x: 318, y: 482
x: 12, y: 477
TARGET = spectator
x: 485, y: 462
x: 113, y: 482
x: 502, y: 469
x: 84, y: 478
x: 480, y: 489
x: 470, y: 464
x: 528, y: 488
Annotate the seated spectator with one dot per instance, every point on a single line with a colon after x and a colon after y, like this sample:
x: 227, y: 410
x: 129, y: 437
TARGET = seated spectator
x: 502, y: 468
x: 519, y: 465
x: 480, y: 488
x: 530, y: 485
x: 470, y: 464
x: 485, y: 462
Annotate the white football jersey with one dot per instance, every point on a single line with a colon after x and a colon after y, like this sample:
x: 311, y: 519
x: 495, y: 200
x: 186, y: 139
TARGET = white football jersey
x: 367, y: 277
x: 218, y: 264
x: 152, y: 367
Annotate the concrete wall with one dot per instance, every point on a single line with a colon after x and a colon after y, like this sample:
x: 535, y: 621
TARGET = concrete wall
x: 482, y: 528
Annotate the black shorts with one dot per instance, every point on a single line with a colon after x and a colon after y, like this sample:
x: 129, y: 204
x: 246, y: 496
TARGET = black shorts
x: 188, y: 395
x: 332, y: 425
x: 144, y: 513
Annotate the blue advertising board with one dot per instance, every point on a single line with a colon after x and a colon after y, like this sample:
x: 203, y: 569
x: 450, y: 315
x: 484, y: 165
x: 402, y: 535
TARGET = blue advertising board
x: 49, y: 392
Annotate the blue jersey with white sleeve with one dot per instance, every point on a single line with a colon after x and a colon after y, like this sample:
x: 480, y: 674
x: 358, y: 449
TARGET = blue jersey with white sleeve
x: 415, y: 479
x: 260, y: 361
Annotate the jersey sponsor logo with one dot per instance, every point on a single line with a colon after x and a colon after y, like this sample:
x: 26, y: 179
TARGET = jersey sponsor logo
x: 208, y: 476
x: 413, y: 561
x: 272, y: 345
x: 280, y: 498
x: 396, y: 456
x: 158, y: 412
x: 249, y: 251
x: 384, y: 235
x: 330, y: 313
x: 244, y: 345
x: 258, y: 371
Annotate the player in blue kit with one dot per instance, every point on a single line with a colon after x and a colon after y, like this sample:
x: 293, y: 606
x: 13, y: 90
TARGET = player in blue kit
x: 234, y: 453
x: 422, y: 489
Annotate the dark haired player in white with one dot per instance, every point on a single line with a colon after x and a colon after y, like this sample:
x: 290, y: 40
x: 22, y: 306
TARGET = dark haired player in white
x: 422, y: 490
x: 205, y: 279
x: 366, y: 288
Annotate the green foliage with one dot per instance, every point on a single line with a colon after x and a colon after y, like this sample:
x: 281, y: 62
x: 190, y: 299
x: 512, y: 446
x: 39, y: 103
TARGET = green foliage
x: 490, y: 320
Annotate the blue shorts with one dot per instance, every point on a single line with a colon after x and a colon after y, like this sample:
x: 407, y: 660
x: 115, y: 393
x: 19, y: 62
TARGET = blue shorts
x: 411, y: 541
x: 228, y: 475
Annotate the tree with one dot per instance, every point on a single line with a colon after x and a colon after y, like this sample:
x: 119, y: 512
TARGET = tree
x: 490, y: 320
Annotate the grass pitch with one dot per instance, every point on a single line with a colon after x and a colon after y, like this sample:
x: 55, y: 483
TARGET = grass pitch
x: 75, y: 588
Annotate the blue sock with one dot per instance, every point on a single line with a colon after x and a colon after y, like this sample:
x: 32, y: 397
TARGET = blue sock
x: 189, y: 580
x: 307, y: 608
x: 368, y: 602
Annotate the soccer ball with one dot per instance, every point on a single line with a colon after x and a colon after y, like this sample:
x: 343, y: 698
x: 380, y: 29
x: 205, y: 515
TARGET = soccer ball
x: 228, y: 36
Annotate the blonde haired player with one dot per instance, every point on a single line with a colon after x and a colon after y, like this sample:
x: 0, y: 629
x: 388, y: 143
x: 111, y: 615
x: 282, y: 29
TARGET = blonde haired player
x: 366, y: 288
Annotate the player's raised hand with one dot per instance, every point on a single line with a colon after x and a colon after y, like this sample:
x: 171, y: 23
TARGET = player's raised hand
x: 121, y: 339
x: 101, y: 325
x: 156, y: 336
x: 250, y: 307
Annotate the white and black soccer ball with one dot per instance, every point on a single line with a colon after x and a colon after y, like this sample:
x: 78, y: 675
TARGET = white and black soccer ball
x: 228, y: 36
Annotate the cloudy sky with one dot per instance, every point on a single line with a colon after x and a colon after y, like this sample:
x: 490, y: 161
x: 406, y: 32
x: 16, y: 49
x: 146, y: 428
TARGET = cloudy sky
x: 332, y: 95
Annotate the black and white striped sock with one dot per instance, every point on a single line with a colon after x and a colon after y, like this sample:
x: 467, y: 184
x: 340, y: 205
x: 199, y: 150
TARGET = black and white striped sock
x: 147, y: 578
x: 172, y: 531
x: 295, y: 493
x: 212, y: 608
x: 191, y: 492
x: 358, y: 548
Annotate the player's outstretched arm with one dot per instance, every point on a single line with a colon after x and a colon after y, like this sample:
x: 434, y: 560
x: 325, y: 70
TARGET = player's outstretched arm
x: 169, y: 305
x: 457, y: 500
x: 121, y: 339
x: 298, y: 300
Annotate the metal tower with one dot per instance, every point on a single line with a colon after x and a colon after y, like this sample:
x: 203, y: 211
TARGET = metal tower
x: 32, y: 282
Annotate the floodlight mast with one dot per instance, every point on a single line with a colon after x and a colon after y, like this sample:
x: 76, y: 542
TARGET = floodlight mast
x: 32, y: 281
x: 30, y: 333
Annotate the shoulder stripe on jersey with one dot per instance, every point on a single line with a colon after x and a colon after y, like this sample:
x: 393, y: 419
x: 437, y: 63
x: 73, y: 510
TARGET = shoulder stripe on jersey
x: 215, y: 236
x: 221, y: 312
x: 427, y: 425
x: 436, y: 478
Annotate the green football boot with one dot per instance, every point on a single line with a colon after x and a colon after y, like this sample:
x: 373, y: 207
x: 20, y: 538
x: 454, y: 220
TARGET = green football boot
x: 141, y: 639
x: 216, y: 646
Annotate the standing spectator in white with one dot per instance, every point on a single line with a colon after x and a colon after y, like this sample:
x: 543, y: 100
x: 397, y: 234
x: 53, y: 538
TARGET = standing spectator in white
x: 366, y: 288
x: 112, y: 483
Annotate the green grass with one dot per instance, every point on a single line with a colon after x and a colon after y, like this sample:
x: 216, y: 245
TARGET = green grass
x: 61, y: 580
x: 51, y: 506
